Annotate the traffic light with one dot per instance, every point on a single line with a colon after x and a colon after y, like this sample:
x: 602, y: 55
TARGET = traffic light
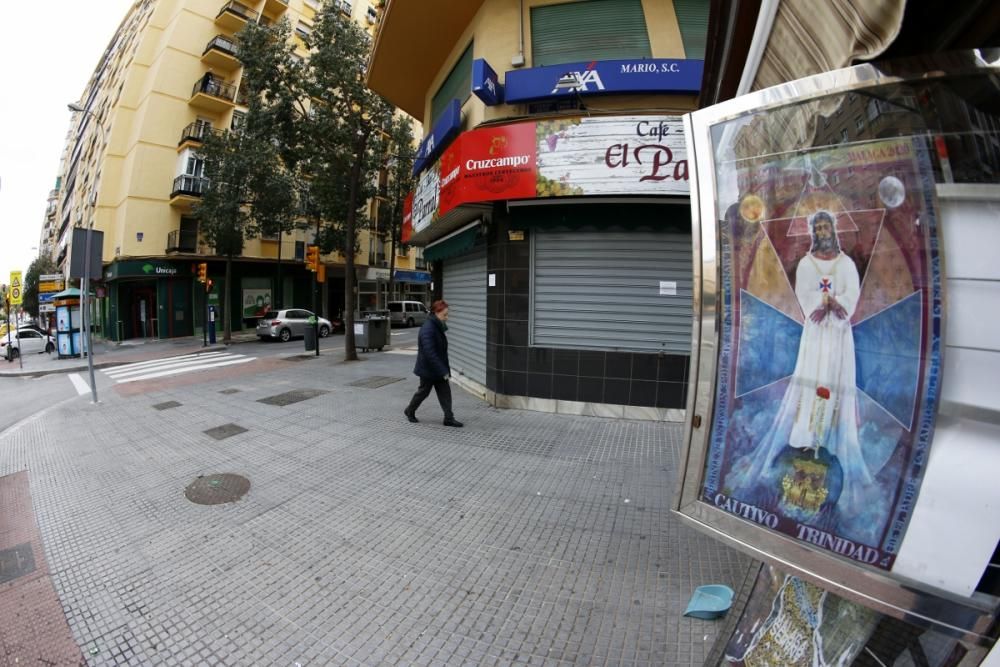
x: 208, y: 285
x: 202, y: 272
x: 312, y: 258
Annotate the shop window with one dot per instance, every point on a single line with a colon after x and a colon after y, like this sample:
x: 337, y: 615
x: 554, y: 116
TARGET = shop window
x: 457, y: 85
x: 592, y: 30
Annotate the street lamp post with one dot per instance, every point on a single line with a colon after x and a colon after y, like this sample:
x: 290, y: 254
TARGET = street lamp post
x: 85, y: 292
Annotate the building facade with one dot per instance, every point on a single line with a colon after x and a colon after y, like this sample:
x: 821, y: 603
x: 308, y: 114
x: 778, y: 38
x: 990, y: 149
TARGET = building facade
x: 169, y: 77
x: 552, y: 193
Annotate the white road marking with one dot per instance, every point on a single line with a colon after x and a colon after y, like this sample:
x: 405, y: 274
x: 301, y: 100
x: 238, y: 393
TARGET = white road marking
x: 411, y: 353
x: 149, y: 370
x: 79, y: 384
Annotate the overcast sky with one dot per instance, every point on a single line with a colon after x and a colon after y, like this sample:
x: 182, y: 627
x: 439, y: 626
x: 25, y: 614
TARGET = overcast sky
x: 47, y: 53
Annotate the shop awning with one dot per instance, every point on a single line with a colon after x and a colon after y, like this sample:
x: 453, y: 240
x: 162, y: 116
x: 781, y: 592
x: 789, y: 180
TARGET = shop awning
x: 451, y: 246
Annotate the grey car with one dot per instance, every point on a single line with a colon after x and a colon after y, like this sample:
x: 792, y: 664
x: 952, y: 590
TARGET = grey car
x: 288, y: 323
x: 407, y: 313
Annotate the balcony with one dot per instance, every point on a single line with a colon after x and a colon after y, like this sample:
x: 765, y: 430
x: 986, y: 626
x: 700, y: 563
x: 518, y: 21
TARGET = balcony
x: 212, y: 95
x: 196, y: 133
x: 221, y: 53
x: 234, y: 15
x: 274, y: 8
x: 182, y: 240
x: 187, y: 190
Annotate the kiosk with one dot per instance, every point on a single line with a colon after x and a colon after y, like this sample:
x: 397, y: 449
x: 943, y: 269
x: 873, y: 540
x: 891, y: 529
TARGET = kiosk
x: 68, y: 323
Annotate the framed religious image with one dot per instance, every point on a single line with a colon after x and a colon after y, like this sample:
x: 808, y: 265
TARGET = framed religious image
x: 817, y: 381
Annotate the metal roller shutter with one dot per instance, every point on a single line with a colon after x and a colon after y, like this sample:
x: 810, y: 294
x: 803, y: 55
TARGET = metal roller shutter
x: 464, y: 288
x: 692, y: 19
x: 601, y: 290
x: 590, y: 30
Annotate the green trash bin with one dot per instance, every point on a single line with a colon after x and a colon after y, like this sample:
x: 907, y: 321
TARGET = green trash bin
x: 310, y: 335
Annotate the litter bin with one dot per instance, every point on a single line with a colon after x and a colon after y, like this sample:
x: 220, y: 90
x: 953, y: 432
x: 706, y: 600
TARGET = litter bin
x: 370, y: 333
x: 310, y: 338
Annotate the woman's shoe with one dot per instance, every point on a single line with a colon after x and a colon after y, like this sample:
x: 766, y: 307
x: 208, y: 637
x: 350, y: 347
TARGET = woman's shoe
x: 453, y: 422
x: 411, y: 416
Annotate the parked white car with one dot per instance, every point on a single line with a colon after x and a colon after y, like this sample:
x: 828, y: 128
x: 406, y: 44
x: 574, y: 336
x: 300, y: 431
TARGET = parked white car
x: 27, y: 340
x: 288, y: 323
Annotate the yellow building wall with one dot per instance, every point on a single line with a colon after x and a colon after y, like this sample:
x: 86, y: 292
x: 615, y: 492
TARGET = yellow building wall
x: 495, y: 35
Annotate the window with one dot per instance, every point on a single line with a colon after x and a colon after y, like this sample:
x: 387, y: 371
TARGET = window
x: 239, y: 120
x: 303, y: 29
x: 859, y: 122
x: 395, y: 307
x: 592, y: 30
x: 692, y: 19
x: 873, y: 110
x: 457, y: 85
x: 314, y: 4
x: 372, y: 15
x: 843, y: 135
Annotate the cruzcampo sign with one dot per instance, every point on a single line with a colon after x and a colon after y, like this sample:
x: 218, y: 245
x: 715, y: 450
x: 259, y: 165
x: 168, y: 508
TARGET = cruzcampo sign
x: 144, y: 269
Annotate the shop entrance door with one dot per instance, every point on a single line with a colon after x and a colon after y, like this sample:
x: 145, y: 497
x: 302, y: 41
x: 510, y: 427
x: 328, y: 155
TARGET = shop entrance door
x: 143, y: 312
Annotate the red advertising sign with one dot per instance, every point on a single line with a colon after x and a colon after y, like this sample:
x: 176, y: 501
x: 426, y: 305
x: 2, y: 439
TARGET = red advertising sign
x: 407, y: 231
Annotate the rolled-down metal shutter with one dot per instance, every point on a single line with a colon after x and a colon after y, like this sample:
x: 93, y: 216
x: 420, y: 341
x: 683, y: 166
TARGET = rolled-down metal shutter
x: 464, y: 288
x: 608, y: 290
x: 589, y: 30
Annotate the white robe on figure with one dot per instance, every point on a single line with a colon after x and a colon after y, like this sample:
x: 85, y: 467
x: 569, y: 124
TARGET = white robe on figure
x: 825, y: 359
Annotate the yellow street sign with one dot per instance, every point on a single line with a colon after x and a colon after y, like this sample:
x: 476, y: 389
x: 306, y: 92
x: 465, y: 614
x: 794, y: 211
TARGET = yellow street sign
x: 50, y: 286
x: 16, y: 289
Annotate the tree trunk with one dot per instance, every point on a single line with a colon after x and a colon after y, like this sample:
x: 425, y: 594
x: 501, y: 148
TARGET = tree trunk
x: 227, y: 311
x: 279, y: 293
x: 350, y: 350
x: 392, y: 268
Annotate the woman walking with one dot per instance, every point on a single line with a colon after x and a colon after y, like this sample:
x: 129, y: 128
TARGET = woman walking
x: 432, y: 365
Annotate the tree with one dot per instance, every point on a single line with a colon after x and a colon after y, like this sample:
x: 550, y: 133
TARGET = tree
x: 400, y: 184
x: 347, y: 127
x: 40, y: 266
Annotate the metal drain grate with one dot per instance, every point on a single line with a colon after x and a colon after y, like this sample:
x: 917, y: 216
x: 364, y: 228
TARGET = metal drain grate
x: 294, y: 396
x: 16, y: 562
x: 217, y: 489
x: 167, y: 405
x: 374, y: 382
x: 224, y: 431
x: 300, y: 357
x: 230, y: 391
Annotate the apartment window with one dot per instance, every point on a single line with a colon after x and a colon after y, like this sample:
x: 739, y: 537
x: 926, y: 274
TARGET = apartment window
x: 303, y: 29
x: 859, y: 122
x: 314, y: 4
x: 843, y: 135
x: 457, y: 85
x: 345, y: 6
x: 239, y: 120
x: 372, y: 15
x: 591, y: 30
x: 873, y: 110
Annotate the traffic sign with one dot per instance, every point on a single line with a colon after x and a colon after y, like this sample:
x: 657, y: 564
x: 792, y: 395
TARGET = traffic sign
x: 16, y: 289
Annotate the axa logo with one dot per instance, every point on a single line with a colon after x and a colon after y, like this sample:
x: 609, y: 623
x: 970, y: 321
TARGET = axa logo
x: 580, y: 81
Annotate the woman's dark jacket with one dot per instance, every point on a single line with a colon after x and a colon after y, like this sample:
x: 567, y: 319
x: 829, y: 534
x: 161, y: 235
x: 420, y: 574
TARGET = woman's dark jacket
x: 432, y: 351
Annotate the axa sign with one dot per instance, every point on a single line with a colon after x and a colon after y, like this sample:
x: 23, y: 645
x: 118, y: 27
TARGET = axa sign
x: 646, y: 75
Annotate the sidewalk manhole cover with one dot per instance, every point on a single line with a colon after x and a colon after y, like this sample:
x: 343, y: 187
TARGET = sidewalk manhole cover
x: 16, y: 562
x: 224, y: 431
x: 373, y: 382
x: 167, y: 405
x: 217, y: 489
x: 230, y: 391
x: 294, y: 396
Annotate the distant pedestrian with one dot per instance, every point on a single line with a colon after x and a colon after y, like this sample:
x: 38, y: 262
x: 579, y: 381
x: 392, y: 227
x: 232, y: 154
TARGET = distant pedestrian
x: 432, y: 365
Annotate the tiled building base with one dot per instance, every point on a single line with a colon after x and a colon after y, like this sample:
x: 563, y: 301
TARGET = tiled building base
x: 33, y: 628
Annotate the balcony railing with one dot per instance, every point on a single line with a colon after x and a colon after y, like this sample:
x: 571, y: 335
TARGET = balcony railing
x: 182, y: 240
x: 192, y: 186
x: 222, y: 43
x: 214, y: 88
x: 197, y: 132
x: 239, y: 9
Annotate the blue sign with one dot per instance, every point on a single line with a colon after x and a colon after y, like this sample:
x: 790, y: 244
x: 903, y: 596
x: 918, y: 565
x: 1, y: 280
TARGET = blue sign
x: 446, y: 127
x: 46, y: 297
x: 486, y: 83
x: 647, y: 75
x: 412, y: 276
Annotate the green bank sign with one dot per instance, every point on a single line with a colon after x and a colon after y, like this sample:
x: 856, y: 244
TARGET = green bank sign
x: 144, y: 269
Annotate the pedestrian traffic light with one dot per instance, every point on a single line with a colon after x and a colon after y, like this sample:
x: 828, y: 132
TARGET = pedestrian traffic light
x: 312, y: 258
x: 202, y: 272
x: 208, y: 285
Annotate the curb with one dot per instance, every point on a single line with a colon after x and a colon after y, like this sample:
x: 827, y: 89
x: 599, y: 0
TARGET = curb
x: 97, y: 364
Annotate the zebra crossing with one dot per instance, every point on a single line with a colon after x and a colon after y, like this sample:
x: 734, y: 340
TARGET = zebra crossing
x: 167, y: 366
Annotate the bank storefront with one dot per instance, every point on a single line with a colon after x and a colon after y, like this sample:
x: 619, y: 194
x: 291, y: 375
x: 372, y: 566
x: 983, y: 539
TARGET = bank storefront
x: 564, y: 250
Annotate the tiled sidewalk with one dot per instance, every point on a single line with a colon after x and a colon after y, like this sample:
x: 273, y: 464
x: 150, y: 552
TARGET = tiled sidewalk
x: 524, y: 538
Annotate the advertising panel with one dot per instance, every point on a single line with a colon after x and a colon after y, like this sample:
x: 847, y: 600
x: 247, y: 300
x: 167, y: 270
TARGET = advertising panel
x: 623, y: 155
x: 645, y: 75
x: 830, y: 335
x: 256, y: 302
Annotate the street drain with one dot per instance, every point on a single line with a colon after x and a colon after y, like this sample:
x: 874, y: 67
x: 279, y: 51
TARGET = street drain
x: 224, y: 431
x: 294, y: 396
x: 230, y: 391
x: 374, y: 382
x: 167, y: 405
x: 217, y: 489
x: 300, y: 357
x: 16, y: 562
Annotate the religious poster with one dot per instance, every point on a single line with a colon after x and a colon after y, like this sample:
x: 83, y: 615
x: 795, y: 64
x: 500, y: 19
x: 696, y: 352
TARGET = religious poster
x: 830, y: 334
x: 789, y: 622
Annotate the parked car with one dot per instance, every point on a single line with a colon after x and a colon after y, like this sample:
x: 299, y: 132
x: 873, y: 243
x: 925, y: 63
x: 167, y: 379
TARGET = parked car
x: 407, y: 313
x: 289, y: 323
x: 27, y: 340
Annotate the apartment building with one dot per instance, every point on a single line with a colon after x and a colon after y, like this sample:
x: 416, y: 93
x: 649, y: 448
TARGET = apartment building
x: 168, y: 78
x: 552, y: 191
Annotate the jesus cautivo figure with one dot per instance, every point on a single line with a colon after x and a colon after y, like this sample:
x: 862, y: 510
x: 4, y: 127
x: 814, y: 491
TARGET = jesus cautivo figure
x: 819, y: 408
